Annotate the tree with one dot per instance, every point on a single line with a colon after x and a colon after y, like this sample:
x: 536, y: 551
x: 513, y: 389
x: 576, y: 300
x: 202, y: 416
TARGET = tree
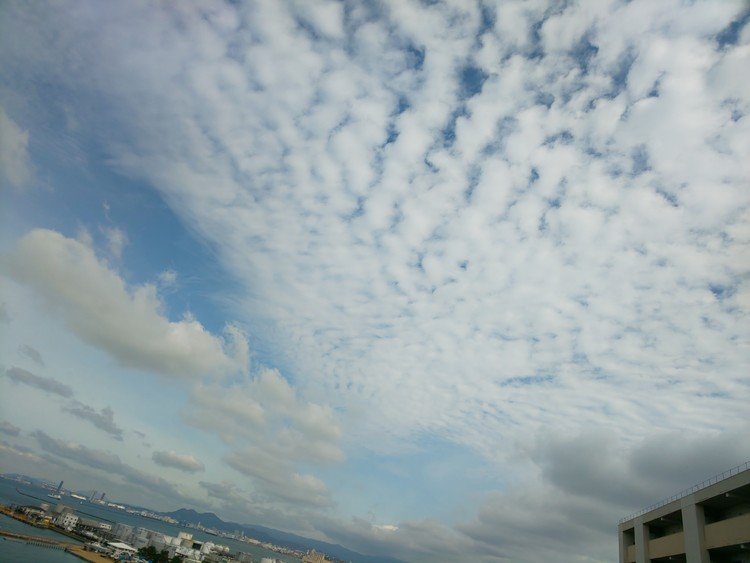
x: 152, y: 555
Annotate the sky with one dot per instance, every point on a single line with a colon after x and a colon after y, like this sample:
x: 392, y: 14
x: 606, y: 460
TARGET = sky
x: 440, y: 281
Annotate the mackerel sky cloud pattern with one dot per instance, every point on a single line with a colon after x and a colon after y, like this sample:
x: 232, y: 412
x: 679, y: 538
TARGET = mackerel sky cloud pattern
x: 385, y: 249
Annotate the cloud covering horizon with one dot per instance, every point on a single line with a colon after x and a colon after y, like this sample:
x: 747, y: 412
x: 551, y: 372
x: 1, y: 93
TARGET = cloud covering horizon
x: 384, y: 268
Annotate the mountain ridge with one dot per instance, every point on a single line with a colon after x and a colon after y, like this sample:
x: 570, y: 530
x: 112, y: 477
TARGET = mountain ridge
x: 278, y: 537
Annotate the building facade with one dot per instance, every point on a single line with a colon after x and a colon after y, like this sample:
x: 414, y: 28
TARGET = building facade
x: 709, y: 523
x: 67, y: 520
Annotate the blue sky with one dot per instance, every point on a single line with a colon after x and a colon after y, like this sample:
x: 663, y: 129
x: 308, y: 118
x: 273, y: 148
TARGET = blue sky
x: 374, y: 272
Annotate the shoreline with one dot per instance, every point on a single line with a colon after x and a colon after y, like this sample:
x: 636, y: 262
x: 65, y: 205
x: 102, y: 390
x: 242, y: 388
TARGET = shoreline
x: 4, y: 509
x: 78, y: 551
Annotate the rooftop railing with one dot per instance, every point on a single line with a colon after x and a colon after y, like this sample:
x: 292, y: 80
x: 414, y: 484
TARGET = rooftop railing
x: 702, y: 485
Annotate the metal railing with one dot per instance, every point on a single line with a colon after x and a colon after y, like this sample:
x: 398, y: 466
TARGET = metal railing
x: 702, y: 485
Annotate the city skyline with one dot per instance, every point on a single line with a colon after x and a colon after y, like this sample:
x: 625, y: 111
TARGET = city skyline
x: 425, y: 280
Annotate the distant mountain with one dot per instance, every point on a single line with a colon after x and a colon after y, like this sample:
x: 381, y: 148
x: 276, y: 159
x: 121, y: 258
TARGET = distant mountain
x: 27, y: 478
x: 285, y: 539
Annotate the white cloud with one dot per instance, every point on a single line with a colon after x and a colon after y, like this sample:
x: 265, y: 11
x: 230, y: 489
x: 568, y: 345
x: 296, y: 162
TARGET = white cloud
x: 15, y: 164
x: 273, y: 477
x: 128, y: 322
x: 116, y: 241
x: 389, y: 275
x: 542, y: 228
x: 267, y: 408
x: 167, y: 278
x: 271, y: 430
x: 183, y: 462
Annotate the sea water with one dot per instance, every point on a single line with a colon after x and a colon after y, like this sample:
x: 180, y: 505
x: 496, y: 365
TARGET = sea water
x: 10, y: 495
x: 12, y: 551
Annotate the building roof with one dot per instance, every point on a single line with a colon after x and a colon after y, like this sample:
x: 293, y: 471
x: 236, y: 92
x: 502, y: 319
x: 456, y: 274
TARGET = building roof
x: 695, y: 488
x: 121, y: 546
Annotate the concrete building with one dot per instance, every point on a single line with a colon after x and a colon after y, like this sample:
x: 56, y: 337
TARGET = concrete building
x: 60, y: 508
x: 120, y: 549
x: 67, y: 520
x: 708, y: 523
x: 123, y: 532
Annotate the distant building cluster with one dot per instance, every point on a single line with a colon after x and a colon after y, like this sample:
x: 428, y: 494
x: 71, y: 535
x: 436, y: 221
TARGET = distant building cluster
x: 123, y: 541
x: 240, y: 536
x: 183, y: 545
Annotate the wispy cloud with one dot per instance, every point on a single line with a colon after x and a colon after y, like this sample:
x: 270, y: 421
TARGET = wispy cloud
x: 103, y: 420
x: 117, y: 240
x: 31, y: 353
x: 183, y: 462
x: 48, y: 384
x: 19, y: 451
x: 15, y: 165
x: 8, y: 428
x: 109, y: 463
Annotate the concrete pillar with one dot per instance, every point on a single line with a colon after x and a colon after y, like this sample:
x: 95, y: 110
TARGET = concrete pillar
x: 693, y: 523
x: 623, y: 547
x: 641, y: 543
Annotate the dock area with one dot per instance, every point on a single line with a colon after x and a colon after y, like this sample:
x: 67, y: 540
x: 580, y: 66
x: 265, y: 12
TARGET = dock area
x: 74, y: 549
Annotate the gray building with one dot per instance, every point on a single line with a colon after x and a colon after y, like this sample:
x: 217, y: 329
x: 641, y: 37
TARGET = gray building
x: 708, y: 523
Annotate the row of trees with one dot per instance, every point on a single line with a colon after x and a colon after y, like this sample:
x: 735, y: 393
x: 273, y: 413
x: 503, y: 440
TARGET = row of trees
x: 154, y: 556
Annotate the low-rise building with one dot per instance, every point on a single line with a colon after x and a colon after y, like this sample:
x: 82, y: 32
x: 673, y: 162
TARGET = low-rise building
x: 118, y: 549
x: 95, y: 526
x: 123, y: 532
x: 32, y: 512
x: 67, y: 520
x: 708, y: 523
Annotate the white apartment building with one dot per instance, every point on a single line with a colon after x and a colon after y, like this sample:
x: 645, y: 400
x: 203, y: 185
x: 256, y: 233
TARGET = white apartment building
x: 67, y: 520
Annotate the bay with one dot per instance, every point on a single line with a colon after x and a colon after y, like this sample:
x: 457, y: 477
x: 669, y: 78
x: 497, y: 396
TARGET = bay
x: 12, y: 551
x: 9, y: 495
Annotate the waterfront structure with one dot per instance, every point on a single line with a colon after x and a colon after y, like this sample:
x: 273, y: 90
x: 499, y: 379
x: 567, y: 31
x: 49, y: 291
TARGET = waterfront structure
x: 183, y: 545
x: 122, y: 531
x: 96, y: 526
x: 708, y: 523
x: 120, y: 549
x: 67, y: 520
x: 60, y: 508
x: 313, y: 556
